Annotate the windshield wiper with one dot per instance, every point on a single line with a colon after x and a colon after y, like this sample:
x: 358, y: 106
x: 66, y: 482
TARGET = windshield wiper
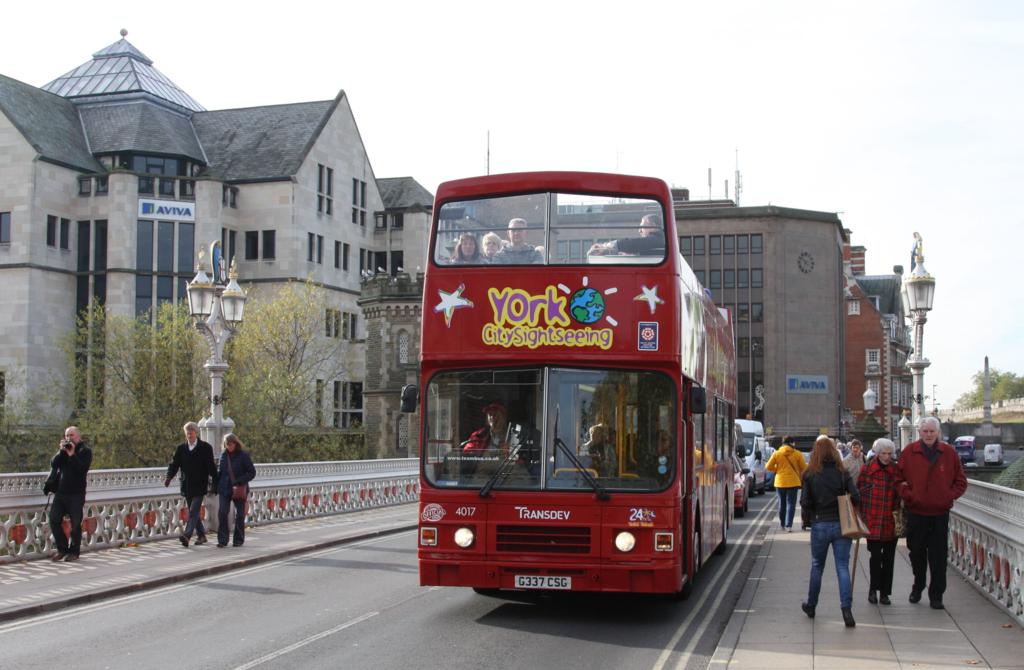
x: 501, y: 473
x: 598, y: 489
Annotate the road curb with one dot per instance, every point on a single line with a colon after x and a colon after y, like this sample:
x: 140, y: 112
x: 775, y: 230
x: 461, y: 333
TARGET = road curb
x: 157, y: 582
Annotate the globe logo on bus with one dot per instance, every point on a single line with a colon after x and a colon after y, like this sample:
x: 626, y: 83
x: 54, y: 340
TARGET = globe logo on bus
x: 587, y: 305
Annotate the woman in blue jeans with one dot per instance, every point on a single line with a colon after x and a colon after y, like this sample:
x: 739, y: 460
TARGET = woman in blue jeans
x: 823, y: 482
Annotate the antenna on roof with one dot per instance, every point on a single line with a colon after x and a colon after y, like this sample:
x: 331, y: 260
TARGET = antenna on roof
x: 738, y: 181
x: 709, y: 183
x: 488, y: 152
x: 124, y: 33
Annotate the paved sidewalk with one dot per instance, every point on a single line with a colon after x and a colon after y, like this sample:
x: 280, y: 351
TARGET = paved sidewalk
x: 768, y: 629
x: 33, y: 587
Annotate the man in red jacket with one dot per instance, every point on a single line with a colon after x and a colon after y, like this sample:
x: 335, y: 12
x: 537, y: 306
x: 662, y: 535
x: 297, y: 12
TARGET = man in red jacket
x: 930, y: 478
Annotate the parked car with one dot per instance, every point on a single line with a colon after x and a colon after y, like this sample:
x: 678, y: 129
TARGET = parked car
x: 742, y: 483
x: 965, y: 448
x: 993, y: 454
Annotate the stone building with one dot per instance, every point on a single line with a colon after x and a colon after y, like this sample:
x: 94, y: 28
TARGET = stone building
x: 112, y: 178
x: 780, y: 271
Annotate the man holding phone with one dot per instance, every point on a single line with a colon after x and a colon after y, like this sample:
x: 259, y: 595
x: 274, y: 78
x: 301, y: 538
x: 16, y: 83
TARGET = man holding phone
x: 70, y: 465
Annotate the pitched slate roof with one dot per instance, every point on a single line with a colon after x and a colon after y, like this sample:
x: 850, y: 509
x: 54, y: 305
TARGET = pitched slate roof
x: 139, y: 126
x: 49, y: 123
x: 117, y: 69
x: 404, y: 193
x: 886, y: 287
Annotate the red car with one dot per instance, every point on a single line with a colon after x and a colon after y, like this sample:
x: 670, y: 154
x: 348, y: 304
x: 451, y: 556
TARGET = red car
x: 743, y: 482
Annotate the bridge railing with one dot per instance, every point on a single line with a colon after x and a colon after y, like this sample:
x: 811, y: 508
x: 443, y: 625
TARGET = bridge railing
x: 131, y: 506
x: 987, y: 543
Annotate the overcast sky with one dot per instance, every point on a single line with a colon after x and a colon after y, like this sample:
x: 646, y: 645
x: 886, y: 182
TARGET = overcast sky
x: 901, y: 116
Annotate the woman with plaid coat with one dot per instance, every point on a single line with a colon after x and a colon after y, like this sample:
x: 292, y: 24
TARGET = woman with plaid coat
x: 878, y: 499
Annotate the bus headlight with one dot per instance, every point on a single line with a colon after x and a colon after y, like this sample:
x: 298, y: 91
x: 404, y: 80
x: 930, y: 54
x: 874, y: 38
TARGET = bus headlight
x: 663, y: 542
x: 428, y: 537
x: 625, y: 541
x: 464, y: 538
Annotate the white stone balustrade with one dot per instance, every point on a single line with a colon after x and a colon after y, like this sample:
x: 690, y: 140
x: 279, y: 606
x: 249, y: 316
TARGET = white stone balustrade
x: 986, y: 543
x: 125, y: 507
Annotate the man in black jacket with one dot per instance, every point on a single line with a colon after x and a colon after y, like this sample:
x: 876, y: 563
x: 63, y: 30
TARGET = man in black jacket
x: 194, y: 458
x: 69, y: 468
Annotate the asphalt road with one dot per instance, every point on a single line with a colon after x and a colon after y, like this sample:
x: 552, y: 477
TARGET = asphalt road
x: 360, y: 605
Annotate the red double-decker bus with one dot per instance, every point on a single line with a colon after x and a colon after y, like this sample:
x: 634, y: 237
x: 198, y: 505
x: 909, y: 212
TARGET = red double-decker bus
x: 577, y: 390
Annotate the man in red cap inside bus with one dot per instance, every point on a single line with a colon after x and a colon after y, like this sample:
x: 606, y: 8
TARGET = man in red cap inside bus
x: 492, y: 436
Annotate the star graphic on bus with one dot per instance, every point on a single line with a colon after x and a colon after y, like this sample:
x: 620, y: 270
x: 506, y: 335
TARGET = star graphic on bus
x: 587, y: 304
x: 451, y: 302
x: 650, y: 295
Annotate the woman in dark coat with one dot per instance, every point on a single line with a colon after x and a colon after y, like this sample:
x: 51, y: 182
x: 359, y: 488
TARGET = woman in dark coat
x: 235, y: 469
x: 878, y: 500
x: 823, y: 482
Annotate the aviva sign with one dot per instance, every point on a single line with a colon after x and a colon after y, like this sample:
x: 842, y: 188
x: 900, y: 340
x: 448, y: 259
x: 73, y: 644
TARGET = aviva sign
x: 167, y: 210
x: 806, y: 384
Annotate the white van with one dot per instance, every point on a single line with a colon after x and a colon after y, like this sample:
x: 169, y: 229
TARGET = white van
x: 993, y: 454
x: 753, y: 451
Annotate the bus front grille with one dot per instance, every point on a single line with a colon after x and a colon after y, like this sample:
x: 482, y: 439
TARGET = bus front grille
x: 543, y: 539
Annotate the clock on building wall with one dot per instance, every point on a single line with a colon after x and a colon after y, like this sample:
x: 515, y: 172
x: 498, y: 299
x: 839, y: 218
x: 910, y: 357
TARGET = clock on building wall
x: 805, y: 262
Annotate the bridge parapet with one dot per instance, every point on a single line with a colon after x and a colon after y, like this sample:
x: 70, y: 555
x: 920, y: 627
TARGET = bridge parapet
x: 132, y: 505
x: 987, y: 543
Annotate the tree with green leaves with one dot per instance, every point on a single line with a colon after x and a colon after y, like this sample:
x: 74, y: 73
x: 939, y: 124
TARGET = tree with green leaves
x: 1005, y: 385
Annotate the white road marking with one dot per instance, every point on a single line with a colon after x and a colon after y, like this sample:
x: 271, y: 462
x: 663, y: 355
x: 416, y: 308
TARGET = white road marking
x: 302, y: 643
x: 698, y: 607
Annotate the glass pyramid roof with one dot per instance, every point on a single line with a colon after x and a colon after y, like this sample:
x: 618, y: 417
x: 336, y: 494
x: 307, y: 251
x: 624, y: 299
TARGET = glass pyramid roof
x: 120, y: 68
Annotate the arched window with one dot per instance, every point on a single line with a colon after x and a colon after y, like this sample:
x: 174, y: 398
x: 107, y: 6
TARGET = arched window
x: 403, y: 347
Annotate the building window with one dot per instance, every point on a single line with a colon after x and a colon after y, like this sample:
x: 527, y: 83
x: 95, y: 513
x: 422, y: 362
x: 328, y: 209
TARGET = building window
x: 873, y: 385
x: 5, y: 227
x: 700, y: 276
x: 685, y: 245
x: 311, y: 247
x: 167, y: 186
x: 359, y: 202
x: 756, y: 244
x: 146, y: 185
x: 229, y: 197
x: 698, y: 245
x: 325, y: 190
x: 756, y: 278
x: 757, y: 346
x: 742, y: 278
x: 320, y: 249
x: 337, y: 254
x: 853, y: 307
x: 743, y: 347
x: 51, y: 231
x: 319, y: 400
x: 403, y: 347
x: 252, y: 245
x: 332, y: 320
x: 269, y: 245
x: 351, y: 404
x: 716, y: 279
x: 397, y: 262
x: 756, y: 312
x: 741, y: 244
x: 102, y: 185
x: 728, y: 279
x: 344, y: 256
x: 187, y: 189
x: 397, y: 221
x: 714, y: 245
x: 380, y: 220
x: 348, y: 326
x: 85, y: 186
x: 872, y: 356
x: 65, y: 234
x: 728, y: 244
x: 743, y: 312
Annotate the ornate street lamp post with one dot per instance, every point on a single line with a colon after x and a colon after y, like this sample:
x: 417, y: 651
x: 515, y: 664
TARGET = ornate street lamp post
x: 217, y: 312
x: 918, y: 294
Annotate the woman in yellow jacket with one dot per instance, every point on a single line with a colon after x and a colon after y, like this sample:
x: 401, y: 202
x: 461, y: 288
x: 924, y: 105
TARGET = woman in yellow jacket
x: 788, y: 464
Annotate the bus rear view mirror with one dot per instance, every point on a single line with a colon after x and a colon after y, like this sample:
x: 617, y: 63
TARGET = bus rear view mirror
x: 698, y: 400
x: 410, y: 398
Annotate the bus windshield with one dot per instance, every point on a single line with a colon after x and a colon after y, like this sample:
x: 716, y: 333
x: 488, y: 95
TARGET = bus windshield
x: 550, y: 229
x: 550, y: 428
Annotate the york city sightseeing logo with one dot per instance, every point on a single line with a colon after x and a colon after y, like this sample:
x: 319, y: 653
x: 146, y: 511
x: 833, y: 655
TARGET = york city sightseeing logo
x: 522, y: 319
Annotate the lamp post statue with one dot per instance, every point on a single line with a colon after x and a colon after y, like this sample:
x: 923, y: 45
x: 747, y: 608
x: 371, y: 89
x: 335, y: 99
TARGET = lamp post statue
x: 217, y: 310
x: 918, y: 295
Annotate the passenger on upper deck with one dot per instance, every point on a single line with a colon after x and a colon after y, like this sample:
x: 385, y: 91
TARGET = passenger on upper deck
x: 650, y: 243
x: 492, y: 245
x: 518, y: 251
x: 467, y: 251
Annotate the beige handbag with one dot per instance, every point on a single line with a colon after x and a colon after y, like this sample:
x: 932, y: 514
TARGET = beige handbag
x: 850, y: 523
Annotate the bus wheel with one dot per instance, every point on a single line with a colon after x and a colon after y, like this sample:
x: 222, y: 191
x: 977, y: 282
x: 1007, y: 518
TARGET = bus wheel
x: 720, y: 549
x: 687, y: 589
